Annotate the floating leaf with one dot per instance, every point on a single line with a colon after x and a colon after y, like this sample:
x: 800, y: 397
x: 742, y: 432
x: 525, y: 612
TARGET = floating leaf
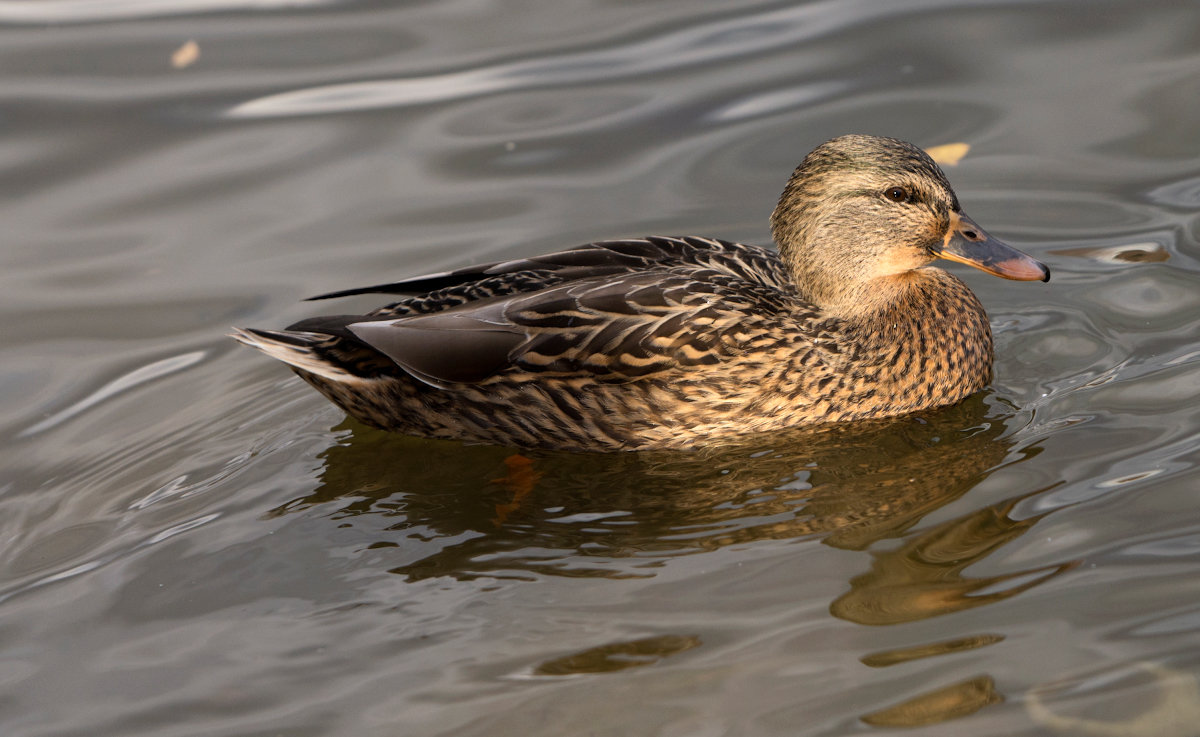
x: 948, y: 154
x: 1132, y: 253
x: 185, y: 55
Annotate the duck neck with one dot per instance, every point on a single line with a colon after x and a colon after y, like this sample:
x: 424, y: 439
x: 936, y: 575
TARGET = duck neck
x: 928, y: 296
x: 872, y: 300
x: 928, y: 324
x: 833, y: 278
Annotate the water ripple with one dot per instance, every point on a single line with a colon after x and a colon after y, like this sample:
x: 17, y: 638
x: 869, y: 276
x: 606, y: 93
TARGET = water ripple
x: 92, y: 11
x: 121, y: 384
x: 701, y: 44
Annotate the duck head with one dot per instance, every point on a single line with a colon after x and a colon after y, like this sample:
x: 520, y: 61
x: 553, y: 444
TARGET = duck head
x: 862, y: 215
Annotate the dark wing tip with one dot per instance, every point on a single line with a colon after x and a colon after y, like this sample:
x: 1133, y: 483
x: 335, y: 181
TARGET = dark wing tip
x: 415, y: 285
x: 381, y: 288
x: 442, y: 347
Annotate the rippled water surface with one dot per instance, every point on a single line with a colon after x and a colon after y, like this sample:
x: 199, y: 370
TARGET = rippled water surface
x: 195, y: 543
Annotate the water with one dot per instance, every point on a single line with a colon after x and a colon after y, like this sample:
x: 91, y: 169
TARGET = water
x: 196, y: 543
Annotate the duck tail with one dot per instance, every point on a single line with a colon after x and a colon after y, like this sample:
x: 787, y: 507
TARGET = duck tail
x: 297, y: 348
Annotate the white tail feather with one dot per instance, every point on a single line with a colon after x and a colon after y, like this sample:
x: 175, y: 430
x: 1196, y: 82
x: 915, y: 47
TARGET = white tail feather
x: 302, y: 357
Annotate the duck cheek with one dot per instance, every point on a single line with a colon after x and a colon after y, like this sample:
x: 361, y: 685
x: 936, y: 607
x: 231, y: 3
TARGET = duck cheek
x: 900, y: 260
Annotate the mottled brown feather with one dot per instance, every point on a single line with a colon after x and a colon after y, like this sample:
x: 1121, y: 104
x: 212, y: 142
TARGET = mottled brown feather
x: 670, y: 342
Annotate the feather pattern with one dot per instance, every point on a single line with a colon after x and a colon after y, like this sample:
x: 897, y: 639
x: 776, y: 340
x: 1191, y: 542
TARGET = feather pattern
x: 660, y: 342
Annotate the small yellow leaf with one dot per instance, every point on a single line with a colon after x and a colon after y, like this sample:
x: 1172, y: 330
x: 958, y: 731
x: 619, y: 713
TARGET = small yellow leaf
x: 948, y: 154
x: 185, y: 55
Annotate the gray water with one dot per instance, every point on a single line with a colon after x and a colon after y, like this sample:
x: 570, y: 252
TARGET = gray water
x: 195, y: 543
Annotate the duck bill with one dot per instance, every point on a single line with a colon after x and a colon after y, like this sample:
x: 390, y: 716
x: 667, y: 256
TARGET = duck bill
x: 967, y: 243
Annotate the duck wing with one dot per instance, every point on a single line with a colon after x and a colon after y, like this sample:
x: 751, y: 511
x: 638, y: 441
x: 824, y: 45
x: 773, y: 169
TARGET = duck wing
x: 608, y: 328
x: 602, y: 258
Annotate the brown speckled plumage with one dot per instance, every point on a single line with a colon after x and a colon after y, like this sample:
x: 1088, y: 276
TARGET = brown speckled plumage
x: 673, y: 342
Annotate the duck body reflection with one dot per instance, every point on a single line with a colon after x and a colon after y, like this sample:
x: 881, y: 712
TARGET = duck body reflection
x: 433, y: 512
x: 465, y: 512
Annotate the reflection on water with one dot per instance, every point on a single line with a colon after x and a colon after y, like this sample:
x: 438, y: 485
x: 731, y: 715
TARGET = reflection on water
x: 943, y: 704
x: 903, y: 655
x: 436, y: 509
x: 429, y: 509
x: 617, y: 656
x: 924, y: 577
x: 614, y: 515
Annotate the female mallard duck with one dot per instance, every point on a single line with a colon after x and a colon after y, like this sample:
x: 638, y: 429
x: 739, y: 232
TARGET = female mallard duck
x: 674, y: 342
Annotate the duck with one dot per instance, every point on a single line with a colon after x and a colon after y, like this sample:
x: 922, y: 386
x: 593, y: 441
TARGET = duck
x: 676, y: 343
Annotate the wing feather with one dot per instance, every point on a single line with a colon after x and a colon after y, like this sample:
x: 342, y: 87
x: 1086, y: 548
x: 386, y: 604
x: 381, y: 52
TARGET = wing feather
x: 443, y: 347
x: 612, y: 329
x: 602, y: 258
x: 612, y: 311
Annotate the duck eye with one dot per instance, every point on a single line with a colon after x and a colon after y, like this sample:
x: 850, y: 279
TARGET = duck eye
x: 896, y: 194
